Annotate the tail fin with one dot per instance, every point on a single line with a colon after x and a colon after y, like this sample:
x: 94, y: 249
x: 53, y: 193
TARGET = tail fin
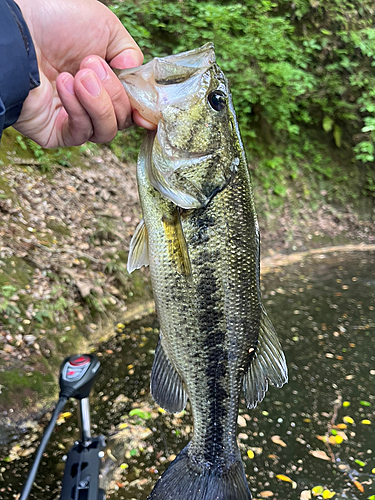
x: 181, y: 481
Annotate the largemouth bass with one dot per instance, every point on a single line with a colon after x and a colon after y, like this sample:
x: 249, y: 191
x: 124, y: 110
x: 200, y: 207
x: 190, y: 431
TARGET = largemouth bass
x: 199, y: 235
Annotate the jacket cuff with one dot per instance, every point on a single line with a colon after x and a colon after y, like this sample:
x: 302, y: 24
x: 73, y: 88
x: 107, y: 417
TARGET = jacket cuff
x: 28, y: 42
x: 21, y: 67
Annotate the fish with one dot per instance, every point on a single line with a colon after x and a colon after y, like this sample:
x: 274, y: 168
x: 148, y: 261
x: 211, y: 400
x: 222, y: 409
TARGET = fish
x: 199, y: 235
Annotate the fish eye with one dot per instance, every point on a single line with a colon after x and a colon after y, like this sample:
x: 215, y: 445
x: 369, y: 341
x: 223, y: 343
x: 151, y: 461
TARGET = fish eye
x: 216, y: 98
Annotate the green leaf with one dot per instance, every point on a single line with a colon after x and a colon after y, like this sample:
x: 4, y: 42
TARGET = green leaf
x: 365, y: 403
x: 327, y: 124
x: 337, y: 135
x: 359, y: 462
x: 140, y: 413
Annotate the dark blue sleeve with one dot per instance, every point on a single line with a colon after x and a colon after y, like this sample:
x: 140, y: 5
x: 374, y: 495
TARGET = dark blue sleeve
x: 18, y: 64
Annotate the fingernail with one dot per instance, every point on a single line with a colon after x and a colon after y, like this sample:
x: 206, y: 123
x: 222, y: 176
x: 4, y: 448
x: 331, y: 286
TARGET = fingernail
x: 98, y: 67
x: 91, y: 84
x: 127, y: 59
x: 68, y: 84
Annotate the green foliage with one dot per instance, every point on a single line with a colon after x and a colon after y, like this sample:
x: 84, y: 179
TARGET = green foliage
x: 294, y: 66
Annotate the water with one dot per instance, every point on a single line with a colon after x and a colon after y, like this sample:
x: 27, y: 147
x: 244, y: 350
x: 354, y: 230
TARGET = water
x: 324, y: 311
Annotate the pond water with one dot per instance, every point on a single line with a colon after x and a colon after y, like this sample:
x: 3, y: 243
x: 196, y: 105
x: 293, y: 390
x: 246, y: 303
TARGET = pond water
x: 323, y: 309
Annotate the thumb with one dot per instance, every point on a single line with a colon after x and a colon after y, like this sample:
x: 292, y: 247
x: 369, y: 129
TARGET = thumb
x: 122, y: 51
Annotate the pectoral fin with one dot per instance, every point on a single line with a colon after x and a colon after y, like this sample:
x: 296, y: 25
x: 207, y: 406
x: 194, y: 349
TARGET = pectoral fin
x: 177, y: 248
x: 167, y: 388
x: 138, y: 251
x: 268, y: 365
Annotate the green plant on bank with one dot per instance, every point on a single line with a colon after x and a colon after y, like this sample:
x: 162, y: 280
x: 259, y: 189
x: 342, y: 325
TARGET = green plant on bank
x: 301, y: 72
x: 45, y: 157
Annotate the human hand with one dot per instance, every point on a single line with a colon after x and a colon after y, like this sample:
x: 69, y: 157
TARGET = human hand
x: 80, y: 98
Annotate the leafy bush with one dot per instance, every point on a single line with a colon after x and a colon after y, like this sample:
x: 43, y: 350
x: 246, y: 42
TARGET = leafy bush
x: 294, y: 66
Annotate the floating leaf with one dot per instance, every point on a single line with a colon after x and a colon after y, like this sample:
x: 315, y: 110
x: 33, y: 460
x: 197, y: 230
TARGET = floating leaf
x: 341, y: 426
x: 241, y: 421
x: 322, y: 438
x: 345, y: 404
x: 359, y: 486
x: 278, y: 440
x: 266, y: 494
x: 360, y: 463
x: 348, y: 420
x: 317, y: 490
x: 366, y: 422
x: 320, y: 454
x: 66, y: 414
x: 256, y: 449
x: 372, y: 497
x: 282, y: 477
x: 328, y: 494
x: 365, y: 403
x: 342, y: 435
x: 373, y: 471
x: 305, y: 495
x: 338, y: 440
x: 250, y: 454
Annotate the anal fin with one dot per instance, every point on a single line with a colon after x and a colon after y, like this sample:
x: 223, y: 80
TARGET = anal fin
x: 267, y: 366
x: 138, y: 251
x: 167, y: 388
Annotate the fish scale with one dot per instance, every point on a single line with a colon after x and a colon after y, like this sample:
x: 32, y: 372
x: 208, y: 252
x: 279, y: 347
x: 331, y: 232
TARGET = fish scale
x: 199, y: 235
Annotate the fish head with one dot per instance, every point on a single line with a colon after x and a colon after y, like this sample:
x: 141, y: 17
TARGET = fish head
x: 197, y: 149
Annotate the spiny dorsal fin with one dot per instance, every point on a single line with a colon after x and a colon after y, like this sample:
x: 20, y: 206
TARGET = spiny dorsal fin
x: 268, y: 365
x: 167, y: 388
x: 138, y: 251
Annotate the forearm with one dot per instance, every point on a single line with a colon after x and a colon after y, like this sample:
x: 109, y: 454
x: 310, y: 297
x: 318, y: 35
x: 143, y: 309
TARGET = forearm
x: 18, y: 64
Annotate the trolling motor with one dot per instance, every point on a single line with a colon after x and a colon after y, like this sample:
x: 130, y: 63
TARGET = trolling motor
x: 81, y: 475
